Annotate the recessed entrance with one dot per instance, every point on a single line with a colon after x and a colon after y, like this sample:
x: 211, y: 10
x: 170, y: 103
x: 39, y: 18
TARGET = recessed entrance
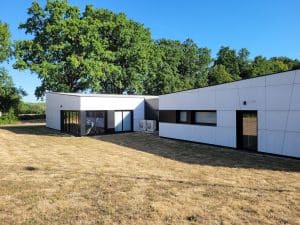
x: 246, y: 128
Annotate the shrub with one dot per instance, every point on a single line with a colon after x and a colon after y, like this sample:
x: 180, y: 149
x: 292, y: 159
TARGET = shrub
x: 31, y: 108
x: 8, y: 118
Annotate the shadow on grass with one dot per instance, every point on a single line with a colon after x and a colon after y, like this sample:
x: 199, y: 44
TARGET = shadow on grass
x: 178, y: 150
x: 30, y: 129
x: 194, y: 153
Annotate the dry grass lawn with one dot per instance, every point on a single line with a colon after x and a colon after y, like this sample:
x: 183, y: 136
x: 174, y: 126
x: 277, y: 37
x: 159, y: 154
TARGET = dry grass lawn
x: 135, y: 178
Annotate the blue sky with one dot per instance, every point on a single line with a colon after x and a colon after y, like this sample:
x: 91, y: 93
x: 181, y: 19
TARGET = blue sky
x: 264, y: 27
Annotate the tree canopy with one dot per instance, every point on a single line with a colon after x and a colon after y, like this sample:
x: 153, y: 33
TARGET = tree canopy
x: 10, y: 96
x: 5, y: 49
x: 97, y: 50
x: 72, y: 51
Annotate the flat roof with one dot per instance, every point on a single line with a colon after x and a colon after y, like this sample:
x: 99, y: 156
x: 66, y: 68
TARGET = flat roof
x: 103, y: 95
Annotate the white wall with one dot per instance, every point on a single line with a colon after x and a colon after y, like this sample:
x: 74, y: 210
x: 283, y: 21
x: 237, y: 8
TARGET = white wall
x: 116, y: 103
x: 56, y: 102
x: 275, y: 97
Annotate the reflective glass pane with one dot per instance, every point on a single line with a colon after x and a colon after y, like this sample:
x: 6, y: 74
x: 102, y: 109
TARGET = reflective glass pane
x: 250, y: 130
x: 126, y: 121
x: 118, y: 121
x: 206, y: 117
x: 182, y: 116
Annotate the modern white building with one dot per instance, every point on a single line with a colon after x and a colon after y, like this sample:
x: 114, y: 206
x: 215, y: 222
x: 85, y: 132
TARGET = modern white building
x: 93, y: 114
x: 260, y: 114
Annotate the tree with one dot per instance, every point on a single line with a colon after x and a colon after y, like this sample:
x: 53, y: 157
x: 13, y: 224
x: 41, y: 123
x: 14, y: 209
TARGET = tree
x: 194, y: 65
x: 130, y: 45
x: 292, y: 64
x: 10, y: 96
x: 219, y: 75
x: 261, y: 66
x: 177, y: 66
x: 245, y: 66
x: 5, y: 49
x: 230, y: 60
x: 163, y: 76
x: 97, y: 50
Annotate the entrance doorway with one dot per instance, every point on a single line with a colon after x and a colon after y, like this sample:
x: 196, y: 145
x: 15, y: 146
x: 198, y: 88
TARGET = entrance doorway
x: 246, y: 129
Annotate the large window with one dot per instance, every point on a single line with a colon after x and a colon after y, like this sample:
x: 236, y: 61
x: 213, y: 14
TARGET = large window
x: 70, y: 122
x: 208, y: 118
x: 95, y: 122
x: 198, y: 117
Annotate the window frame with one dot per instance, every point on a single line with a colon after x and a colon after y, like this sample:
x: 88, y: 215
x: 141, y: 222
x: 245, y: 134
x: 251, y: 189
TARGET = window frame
x: 178, y: 116
x: 201, y: 123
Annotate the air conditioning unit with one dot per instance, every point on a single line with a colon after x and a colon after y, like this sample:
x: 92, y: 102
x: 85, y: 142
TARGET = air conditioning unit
x: 151, y: 126
x: 142, y: 125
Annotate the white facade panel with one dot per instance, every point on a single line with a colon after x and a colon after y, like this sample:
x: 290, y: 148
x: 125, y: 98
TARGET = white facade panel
x: 278, y: 97
x: 291, y: 144
x: 276, y: 120
x: 249, y: 83
x: 274, y: 141
x: 254, y: 98
x: 295, y: 102
x: 280, y: 79
x: 197, y: 133
x: 297, y: 77
x: 262, y: 141
x: 226, y: 136
x: 227, y: 99
x: 111, y: 103
x: 293, y: 123
x: 261, y: 120
x: 226, y: 118
x: 193, y: 100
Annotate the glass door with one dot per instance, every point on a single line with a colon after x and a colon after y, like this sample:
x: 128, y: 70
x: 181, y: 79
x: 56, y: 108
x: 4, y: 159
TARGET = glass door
x: 247, y: 130
x: 123, y: 121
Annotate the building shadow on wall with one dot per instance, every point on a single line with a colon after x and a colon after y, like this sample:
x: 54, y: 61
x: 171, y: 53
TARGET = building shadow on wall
x: 194, y: 153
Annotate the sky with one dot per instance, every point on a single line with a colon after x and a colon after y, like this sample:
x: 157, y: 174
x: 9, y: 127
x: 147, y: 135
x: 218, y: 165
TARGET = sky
x: 265, y: 27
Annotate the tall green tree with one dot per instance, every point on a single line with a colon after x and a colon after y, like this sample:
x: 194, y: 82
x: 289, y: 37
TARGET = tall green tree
x: 5, y: 49
x: 177, y: 66
x: 230, y: 60
x: 71, y: 51
x: 219, y: 75
x: 292, y: 64
x: 261, y: 66
x: 163, y: 76
x: 194, y: 65
x: 245, y: 66
x: 10, y: 96
x: 129, y: 44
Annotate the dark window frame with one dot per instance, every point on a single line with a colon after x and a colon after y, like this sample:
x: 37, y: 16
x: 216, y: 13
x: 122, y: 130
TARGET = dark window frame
x: 131, y: 117
x: 178, y: 116
x: 201, y: 123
